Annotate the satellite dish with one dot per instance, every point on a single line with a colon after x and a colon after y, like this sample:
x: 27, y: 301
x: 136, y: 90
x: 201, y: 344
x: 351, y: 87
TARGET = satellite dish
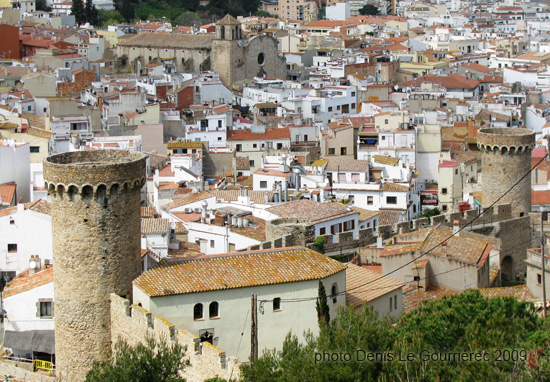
x: 32, y: 264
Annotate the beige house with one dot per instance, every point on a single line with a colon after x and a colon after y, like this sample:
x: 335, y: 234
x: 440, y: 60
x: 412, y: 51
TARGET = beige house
x: 338, y: 140
x: 305, y: 10
x: 436, y: 257
x: 450, y: 185
x: 534, y: 272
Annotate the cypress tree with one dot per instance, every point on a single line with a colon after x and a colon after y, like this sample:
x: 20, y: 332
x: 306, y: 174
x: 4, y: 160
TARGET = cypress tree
x: 77, y: 9
x: 323, y: 311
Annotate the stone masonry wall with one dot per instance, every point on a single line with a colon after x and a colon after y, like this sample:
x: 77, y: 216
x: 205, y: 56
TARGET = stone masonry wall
x: 96, y: 244
x: 134, y: 324
x: 505, y: 159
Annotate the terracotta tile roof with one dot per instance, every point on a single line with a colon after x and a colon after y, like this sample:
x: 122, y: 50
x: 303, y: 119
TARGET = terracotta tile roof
x: 40, y: 206
x: 272, y: 172
x: 365, y: 214
x: 256, y: 231
x: 151, y: 225
x: 316, y: 212
x: 386, y: 160
x: 389, y: 186
x: 357, y: 293
x: 168, y: 40
x: 148, y: 212
x: 40, y: 133
x: 476, y: 67
x: 452, y: 81
x: 7, y: 193
x: 325, y: 24
x: 184, y: 145
x: 521, y: 292
x: 415, y: 297
x: 242, y: 163
x: 540, y: 198
x: 23, y: 282
x: 195, y: 197
x: 237, y: 270
x: 388, y: 217
x: 347, y: 164
x: 461, y: 249
x: 246, y: 134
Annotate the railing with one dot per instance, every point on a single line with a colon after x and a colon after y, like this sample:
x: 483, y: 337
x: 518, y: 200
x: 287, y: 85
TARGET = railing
x: 43, y: 365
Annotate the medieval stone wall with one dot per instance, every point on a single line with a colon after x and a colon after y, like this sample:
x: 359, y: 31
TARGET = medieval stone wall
x: 134, y: 324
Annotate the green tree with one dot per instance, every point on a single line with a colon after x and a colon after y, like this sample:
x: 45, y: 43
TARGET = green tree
x: 369, y: 9
x: 77, y: 9
x: 319, y: 244
x: 107, y: 18
x: 321, y: 305
x: 188, y: 19
x: 149, y: 361
x: 41, y: 5
x: 127, y: 10
x: 321, y: 13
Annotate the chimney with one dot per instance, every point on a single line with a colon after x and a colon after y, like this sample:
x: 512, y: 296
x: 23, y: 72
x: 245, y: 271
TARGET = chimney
x: 34, y: 264
x: 379, y: 242
x: 203, y: 215
x: 456, y: 227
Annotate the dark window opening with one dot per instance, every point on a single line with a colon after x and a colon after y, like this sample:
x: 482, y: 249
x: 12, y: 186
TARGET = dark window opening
x: 214, y: 310
x: 197, y: 312
x: 277, y: 304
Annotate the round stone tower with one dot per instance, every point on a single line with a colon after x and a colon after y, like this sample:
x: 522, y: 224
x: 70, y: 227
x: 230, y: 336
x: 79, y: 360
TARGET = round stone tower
x: 96, y: 248
x: 505, y: 159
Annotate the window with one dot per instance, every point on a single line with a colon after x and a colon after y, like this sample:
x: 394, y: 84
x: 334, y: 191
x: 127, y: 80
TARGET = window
x: 322, y: 231
x: 251, y: 163
x: 276, y: 304
x: 391, y: 199
x: 334, y: 293
x: 456, y: 171
x: 383, y: 137
x: 214, y: 310
x: 239, y: 147
x: 12, y: 248
x: 263, y: 183
x: 444, y: 191
x: 338, y: 107
x: 539, y: 279
x: 44, y: 308
x: 386, y: 121
x: 35, y: 149
x: 353, y: 94
x: 212, y: 243
x: 391, y: 304
x: 279, y: 146
x: 370, y: 200
x: 331, y: 151
x: 330, y: 108
x: 444, y: 207
x: 254, y: 145
x: 395, y: 302
x: 197, y: 312
x: 343, y: 151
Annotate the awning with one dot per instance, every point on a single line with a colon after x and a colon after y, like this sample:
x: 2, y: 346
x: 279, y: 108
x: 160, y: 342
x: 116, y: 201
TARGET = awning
x: 31, y: 340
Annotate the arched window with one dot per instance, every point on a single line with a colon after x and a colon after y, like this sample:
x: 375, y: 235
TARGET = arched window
x: 197, y: 312
x: 334, y: 292
x: 214, y: 310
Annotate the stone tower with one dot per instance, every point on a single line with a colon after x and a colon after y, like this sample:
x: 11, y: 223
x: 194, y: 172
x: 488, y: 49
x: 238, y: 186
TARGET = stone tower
x: 505, y: 159
x: 96, y: 248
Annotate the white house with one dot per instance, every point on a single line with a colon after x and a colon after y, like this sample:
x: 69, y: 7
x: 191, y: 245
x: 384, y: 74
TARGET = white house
x: 28, y: 302
x: 383, y: 293
x: 25, y: 231
x: 15, y: 166
x: 155, y: 235
x: 210, y: 297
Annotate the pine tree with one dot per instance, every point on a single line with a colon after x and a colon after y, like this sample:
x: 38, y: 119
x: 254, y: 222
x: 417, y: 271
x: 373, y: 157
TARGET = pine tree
x: 88, y: 10
x: 323, y: 311
x: 127, y: 10
x: 78, y: 11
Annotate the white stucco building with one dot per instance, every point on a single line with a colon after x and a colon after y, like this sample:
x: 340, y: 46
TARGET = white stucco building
x: 211, y: 297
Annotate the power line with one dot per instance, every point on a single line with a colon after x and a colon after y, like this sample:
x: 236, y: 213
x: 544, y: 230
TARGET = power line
x: 379, y: 288
x: 437, y: 245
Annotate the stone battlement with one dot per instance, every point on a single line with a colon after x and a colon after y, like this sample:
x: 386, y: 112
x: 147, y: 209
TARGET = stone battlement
x: 510, y: 141
x: 134, y: 324
x: 93, y: 173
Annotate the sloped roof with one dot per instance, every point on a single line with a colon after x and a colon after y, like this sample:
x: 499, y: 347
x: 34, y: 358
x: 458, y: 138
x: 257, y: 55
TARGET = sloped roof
x: 364, y: 285
x: 167, y: 40
x: 238, y: 270
x: 346, y: 164
x: 7, y: 192
x: 316, y: 212
x: 23, y: 282
x: 152, y: 225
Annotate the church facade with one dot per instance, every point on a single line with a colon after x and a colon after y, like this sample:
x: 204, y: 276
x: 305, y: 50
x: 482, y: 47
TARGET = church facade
x: 236, y: 59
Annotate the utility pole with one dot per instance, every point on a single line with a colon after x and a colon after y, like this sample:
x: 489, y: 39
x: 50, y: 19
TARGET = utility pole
x: 254, y: 330
x: 543, y: 215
